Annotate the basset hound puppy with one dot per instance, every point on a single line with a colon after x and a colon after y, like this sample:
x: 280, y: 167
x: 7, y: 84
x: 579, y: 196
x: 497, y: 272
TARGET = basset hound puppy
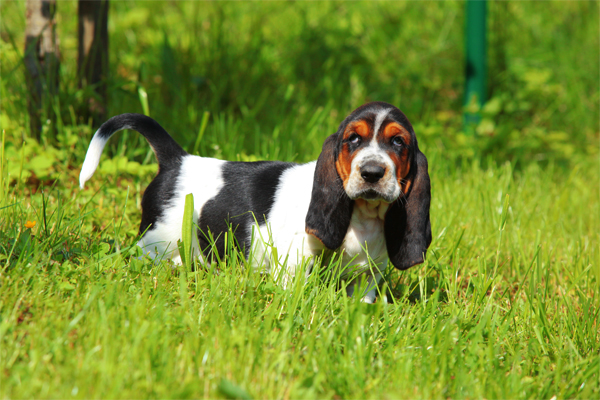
x: 366, y: 198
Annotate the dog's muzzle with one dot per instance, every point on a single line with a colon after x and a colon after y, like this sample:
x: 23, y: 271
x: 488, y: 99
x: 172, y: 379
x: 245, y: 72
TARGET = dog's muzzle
x: 374, y: 185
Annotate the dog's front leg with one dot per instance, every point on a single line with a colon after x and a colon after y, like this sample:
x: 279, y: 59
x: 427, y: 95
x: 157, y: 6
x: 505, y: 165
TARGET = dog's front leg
x: 370, y: 291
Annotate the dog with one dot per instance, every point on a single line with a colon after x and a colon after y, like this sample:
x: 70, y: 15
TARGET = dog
x: 366, y: 198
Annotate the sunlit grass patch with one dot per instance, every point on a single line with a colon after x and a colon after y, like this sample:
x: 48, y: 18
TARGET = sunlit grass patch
x: 505, y: 306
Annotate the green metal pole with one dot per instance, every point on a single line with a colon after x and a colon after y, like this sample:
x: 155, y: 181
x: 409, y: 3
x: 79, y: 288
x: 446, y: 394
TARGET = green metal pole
x: 476, y: 63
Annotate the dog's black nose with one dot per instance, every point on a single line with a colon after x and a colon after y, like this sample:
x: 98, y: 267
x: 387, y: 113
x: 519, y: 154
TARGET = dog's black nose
x: 372, y: 173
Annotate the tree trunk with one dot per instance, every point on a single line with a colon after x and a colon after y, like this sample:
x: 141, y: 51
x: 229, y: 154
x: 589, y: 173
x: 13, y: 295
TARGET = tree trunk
x: 42, y: 61
x: 92, y: 60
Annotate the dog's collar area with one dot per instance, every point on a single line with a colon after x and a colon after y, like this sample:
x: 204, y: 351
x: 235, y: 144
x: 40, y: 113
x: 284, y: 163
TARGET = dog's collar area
x: 371, y: 209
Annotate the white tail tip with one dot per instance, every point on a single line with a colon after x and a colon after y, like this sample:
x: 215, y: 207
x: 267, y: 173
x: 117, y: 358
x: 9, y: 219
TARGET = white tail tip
x: 92, y: 159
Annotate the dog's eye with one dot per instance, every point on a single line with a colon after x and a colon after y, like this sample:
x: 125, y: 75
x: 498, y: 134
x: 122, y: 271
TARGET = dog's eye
x: 397, y: 141
x: 354, y: 138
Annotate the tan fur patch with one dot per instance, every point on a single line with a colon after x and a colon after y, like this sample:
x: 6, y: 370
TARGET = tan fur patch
x: 313, y: 232
x: 343, y: 164
x: 395, y: 129
x: 401, y: 160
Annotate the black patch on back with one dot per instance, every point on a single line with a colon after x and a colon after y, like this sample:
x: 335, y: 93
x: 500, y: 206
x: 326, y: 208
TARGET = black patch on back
x: 168, y: 153
x: 159, y: 193
x: 248, y: 193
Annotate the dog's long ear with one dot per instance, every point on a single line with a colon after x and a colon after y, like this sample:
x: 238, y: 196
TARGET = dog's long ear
x: 330, y: 208
x: 407, y: 225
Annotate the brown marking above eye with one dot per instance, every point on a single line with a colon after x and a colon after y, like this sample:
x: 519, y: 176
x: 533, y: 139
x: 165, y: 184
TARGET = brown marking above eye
x: 395, y: 129
x: 360, y: 127
x: 343, y: 164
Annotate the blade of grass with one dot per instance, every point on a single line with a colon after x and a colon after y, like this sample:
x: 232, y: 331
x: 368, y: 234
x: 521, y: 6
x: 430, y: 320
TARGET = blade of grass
x: 203, y: 124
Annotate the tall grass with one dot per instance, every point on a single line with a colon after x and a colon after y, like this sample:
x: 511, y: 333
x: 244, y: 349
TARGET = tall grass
x: 506, y: 305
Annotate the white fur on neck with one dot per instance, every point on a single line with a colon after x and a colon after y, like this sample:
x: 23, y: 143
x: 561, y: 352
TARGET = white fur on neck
x: 366, y: 226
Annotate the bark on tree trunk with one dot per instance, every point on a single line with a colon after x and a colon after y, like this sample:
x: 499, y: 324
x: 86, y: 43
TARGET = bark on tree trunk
x: 92, y: 61
x: 42, y: 61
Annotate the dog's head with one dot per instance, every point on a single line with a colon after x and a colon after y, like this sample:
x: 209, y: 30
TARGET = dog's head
x: 373, y: 156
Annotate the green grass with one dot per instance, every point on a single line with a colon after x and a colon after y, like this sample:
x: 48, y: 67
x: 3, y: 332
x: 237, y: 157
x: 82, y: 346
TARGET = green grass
x: 506, y: 306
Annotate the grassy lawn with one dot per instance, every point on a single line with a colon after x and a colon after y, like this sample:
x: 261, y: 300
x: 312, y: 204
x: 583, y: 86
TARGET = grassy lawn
x: 506, y: 305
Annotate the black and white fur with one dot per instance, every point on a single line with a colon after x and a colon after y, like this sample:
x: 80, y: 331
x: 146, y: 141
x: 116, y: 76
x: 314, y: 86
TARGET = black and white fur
x: 271, y: 204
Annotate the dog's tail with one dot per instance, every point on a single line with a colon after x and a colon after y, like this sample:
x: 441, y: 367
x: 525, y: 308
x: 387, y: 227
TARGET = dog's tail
x: 167, y: 151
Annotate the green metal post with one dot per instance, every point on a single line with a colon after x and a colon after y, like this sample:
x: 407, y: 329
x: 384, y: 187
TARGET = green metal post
x: 476, y: 63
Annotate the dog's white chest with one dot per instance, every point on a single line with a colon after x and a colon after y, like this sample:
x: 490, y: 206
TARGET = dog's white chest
x: 365, y: 237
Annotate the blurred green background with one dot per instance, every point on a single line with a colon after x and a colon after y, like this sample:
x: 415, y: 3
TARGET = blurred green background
x: 278, y: 77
